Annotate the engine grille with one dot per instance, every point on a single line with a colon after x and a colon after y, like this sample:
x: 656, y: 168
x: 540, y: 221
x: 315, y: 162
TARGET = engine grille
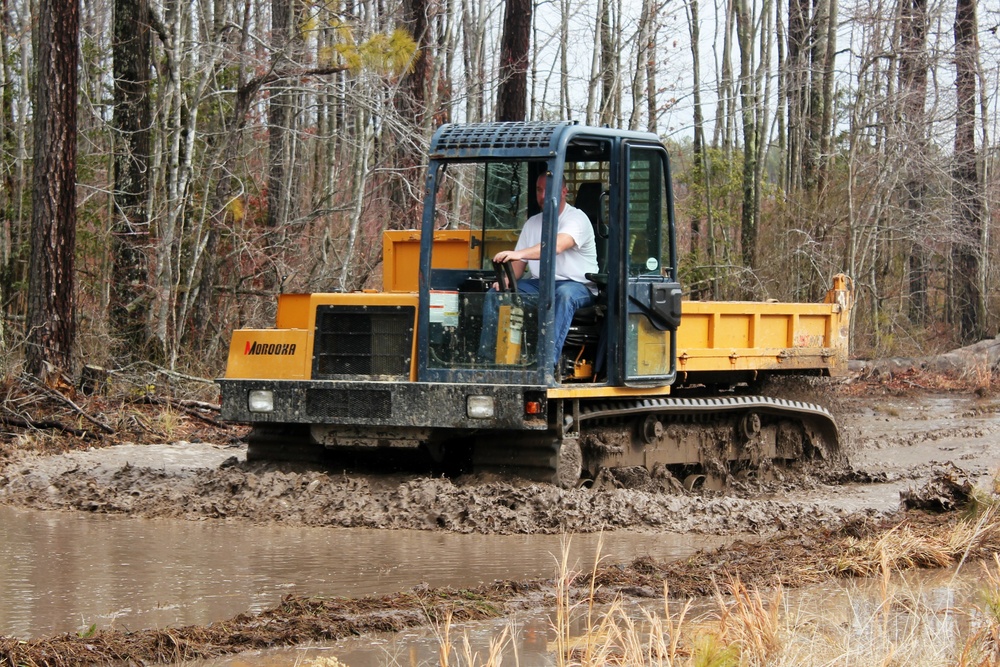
x: 349, y: 403
x: 363, y: 341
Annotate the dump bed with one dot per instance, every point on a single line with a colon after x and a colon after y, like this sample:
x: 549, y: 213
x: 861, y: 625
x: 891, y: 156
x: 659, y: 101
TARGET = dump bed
x: 732, y: 336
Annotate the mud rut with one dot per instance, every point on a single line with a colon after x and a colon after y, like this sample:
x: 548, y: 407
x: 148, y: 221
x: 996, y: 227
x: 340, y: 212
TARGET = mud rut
x: 897, y: 443
x: 893, y: 443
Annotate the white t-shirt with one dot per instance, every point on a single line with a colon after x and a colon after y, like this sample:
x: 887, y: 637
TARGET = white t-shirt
x: 572, y: 264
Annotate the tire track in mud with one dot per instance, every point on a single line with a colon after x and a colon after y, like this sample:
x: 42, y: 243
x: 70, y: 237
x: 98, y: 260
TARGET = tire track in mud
x: 897, y: 441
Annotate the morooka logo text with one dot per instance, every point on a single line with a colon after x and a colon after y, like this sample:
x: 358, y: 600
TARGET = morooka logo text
x: 253, y: 347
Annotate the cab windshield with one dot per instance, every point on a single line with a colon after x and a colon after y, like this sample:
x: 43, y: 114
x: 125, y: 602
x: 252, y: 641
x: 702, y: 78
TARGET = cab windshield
x: 479, y: 211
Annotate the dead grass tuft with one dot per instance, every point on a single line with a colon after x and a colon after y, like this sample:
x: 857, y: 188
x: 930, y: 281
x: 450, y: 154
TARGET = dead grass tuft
x: 978, y: 379
x: 904, y: 548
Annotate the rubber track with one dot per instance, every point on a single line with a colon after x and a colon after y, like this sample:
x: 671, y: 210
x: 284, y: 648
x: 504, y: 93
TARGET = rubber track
x: 815, y: 415
x: 776, y: 406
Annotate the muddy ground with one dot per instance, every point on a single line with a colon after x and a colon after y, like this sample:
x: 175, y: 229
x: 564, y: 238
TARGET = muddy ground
x: 126, y: 456
x: 894, y: 435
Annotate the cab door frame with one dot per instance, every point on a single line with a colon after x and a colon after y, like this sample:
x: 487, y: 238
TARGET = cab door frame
x: 647, y: 291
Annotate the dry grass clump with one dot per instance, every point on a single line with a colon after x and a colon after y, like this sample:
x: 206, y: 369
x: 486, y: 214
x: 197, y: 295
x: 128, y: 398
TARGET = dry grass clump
x: 883, y: 621
x: 975, y: 376
x: 905, y: 548
x: 888, y: 623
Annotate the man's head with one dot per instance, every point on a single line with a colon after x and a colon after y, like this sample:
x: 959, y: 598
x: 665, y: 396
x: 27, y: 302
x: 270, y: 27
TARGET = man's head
x: 540, y: 191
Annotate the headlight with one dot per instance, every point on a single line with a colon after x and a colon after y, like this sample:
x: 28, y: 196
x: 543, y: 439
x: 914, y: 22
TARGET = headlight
x: 479, y: 407
x: 261, y: 401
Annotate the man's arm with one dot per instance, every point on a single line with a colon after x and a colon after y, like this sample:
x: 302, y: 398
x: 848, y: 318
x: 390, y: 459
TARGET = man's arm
x: 563, y: 243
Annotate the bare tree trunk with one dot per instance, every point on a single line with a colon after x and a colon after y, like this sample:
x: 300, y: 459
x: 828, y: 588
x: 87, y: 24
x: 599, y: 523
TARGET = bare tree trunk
x: 608, y: 70
x: 781, y: 113
x: 828, y: 64
x: 474, y: 28
x: 279, y: 114
x: 913, y: 131
x: 966, y: 251
x: 10, y: 187
x: 698, y: 146
x: 652, y: 103
x: 130, y: 298
x: 748, y: 225
x: 411, y: 107
x: 15, y: 215
x: 51, y: 316
x: 564, y: 100
x: 360, y: 180
x: 642, y: 57
x: 799, y: 170
x: 820, y: 110
x: 512, y: 95
x: 725, y: 108
x: 595, y: 63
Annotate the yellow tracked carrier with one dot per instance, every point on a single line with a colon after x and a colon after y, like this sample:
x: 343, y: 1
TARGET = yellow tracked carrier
x: 645, y: 378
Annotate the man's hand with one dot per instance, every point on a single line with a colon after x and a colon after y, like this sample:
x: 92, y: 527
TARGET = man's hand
x: 505, y: 256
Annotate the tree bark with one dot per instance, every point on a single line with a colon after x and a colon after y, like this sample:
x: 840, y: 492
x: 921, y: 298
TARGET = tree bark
x: 411, y: 107
x: 51, y: 317
x: 279, y: 114
x: 796, y: 68
x: 608, y: 70
x: 474, y: 28
x: 129, y: 304
x: 698, y: 140
x: 512, y: 95
x: 966, y: 250
x: 748, y: 224
x: 912, y: 130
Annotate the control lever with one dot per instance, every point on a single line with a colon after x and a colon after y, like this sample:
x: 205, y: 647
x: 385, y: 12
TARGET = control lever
x: 505, y: 270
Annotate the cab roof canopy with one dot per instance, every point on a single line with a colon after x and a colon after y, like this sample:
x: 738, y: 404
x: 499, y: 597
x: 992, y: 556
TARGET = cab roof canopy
x: 525, y: 140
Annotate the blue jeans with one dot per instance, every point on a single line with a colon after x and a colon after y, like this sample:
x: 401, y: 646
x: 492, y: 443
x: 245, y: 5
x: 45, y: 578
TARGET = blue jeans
x: 569, y: 297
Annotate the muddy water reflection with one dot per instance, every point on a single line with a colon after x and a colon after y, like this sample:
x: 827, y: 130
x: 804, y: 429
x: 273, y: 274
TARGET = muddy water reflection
x: 62, y: 572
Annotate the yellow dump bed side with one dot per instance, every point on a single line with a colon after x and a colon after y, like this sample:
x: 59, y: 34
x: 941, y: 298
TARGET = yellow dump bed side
x: 721, y: 336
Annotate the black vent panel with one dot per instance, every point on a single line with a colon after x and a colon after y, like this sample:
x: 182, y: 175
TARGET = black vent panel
x: 349, y: 403
x: 456, y: 139
x: 363, y: 342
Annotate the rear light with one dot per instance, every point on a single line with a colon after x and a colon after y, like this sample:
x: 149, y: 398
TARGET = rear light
x: 533, y: 408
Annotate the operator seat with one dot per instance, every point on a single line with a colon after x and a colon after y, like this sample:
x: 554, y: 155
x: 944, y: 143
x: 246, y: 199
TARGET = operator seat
x: 587, y: 327
x: 589, y: 198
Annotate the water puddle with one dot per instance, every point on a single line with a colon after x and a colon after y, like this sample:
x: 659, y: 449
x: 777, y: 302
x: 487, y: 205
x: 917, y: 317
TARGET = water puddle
x: 65, y: 571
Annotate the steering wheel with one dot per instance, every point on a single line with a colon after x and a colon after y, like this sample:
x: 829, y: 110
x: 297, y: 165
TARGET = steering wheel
x: 505, y: 270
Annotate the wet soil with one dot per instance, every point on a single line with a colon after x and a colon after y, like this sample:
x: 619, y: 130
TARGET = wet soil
x: 892, y: 437
x: 126, y: 456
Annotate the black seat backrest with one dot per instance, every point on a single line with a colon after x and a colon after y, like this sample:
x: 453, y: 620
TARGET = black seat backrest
x: 588, y: 200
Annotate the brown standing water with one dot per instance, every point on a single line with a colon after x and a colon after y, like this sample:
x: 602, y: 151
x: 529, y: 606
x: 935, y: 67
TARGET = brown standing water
x: 65, y: 571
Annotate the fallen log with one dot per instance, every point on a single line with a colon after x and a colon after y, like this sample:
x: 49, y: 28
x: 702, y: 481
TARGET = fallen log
x: 982, y: 358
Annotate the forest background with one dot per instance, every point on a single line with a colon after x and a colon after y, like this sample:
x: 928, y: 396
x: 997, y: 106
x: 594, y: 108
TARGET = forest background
x: 169, y: 167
